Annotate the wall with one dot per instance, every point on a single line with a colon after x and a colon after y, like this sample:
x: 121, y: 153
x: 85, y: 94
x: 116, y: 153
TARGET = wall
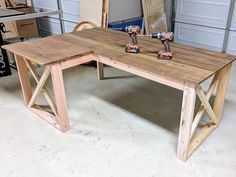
x: 231, y: 47
x: 202, y: 23
x: 51, y: 25
x: 123, y: 9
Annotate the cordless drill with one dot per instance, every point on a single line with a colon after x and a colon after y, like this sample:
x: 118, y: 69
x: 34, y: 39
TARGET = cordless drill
x: 134, y: 47
x: 165, y: 38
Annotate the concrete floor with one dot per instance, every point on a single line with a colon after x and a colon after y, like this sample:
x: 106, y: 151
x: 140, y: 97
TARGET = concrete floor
x: 124, y: 126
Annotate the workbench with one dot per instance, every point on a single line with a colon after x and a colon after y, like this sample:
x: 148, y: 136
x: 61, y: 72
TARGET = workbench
x: 188, y: 69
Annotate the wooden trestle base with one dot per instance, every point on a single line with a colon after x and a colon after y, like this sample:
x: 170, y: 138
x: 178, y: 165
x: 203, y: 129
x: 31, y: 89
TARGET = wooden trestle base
x: 189, y: 139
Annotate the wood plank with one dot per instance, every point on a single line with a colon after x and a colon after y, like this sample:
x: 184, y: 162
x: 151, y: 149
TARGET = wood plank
x: 221, y: 91
x: 149, y: 49
x: 40, y: 85
x: 145, y: 62
x: 187, y: 65
x: 59, y: 91
x: 152, y: 11
x: 200, y: 137
x: 44, y: 89
x: 105, y: 13
x: 187, y: 113
x: 142, y: 73
x: 3, y: 4
x: 184, y: 48
x: 206, y: 104
x: 202, y: 109
x: 190, y: 56
x: 24, y: 78
x: 74, y: 61
x: 48, y: 117
x: 100, y: 70
x: 42, y: 52
x: 91, y: 10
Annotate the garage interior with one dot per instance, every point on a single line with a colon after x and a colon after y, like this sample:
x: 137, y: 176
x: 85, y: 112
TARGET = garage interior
x: 123, y: 125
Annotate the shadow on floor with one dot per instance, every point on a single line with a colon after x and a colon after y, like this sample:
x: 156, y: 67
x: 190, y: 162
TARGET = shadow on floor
x: 152, y: 101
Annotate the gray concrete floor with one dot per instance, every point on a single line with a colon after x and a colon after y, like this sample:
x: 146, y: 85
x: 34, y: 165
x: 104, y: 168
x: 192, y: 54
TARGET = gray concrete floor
x: 124, y: 126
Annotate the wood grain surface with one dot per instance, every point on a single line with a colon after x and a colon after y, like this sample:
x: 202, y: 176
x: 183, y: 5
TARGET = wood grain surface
x: 188, y: 64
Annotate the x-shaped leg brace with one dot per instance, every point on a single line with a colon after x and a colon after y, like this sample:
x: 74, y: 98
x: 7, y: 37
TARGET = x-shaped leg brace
x: 189, y: 137
x: 58, y: 116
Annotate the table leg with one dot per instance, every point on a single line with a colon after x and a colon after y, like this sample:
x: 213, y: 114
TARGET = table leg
x: 24, y: 79
x: 221, y: 91
x: 59, y: 91
x: 187, y: 113
x: 58, y: 117
x: 100, y: 69
x: 189, y: 139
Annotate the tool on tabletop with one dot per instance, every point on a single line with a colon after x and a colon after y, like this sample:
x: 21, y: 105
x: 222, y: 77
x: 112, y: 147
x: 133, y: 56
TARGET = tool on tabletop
x: 165, y: 37
x: 134, y: 47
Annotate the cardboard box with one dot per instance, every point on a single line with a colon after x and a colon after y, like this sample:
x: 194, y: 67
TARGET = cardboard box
x: 22, y: 28
x: 27, y: 28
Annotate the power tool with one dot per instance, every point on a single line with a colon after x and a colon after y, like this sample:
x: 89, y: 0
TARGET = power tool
x: 165, y: 38
x: 134, y: 47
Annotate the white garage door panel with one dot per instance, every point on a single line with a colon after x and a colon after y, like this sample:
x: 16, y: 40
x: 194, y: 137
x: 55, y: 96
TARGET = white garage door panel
x: 209, y: 13
x: 202, y: 37
x: 71, y: 10
x: 231, y: 49
x: 233, y: 25
x: 69, y: 26
x: 49, y: 26
x: 46, y: 4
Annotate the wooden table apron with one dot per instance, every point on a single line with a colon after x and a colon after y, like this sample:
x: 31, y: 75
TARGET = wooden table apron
x: 189, y: 138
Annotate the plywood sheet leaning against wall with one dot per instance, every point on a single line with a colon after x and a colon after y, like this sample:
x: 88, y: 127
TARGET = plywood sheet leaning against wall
x: 154, y: 16
x: 92, y: 11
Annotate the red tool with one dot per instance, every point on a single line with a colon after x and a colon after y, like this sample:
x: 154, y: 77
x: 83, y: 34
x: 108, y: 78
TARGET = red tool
x: 165, y: 37
x: 134, y: 47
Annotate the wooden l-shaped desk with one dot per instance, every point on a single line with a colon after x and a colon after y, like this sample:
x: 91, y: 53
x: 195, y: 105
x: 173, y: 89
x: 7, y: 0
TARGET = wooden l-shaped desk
x: 186, y: 71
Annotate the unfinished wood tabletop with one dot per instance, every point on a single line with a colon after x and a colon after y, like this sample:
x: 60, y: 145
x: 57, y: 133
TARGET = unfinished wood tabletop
x: 188, y: 64
x: 186, y: 71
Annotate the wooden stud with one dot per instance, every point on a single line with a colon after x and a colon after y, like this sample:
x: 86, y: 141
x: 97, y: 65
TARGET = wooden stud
x: 201, y: 136
x: 44, y: 89
x: 24, y: 78
x: 40, y: 85
x: 221, y: 91
x: 100, y: 69
x: 59, y: 91
x: 51, y: 119
x: 142, y: 73
x: 105, y: 13
x: 187, y: 113
x: 206, y: 104
x: 77, y: 61
x: 105, y: 16
x: 202, y: 109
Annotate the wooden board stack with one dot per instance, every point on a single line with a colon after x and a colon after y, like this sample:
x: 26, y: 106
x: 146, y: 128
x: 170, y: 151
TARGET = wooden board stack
x: 154, y: 17
x: 95, y: 11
